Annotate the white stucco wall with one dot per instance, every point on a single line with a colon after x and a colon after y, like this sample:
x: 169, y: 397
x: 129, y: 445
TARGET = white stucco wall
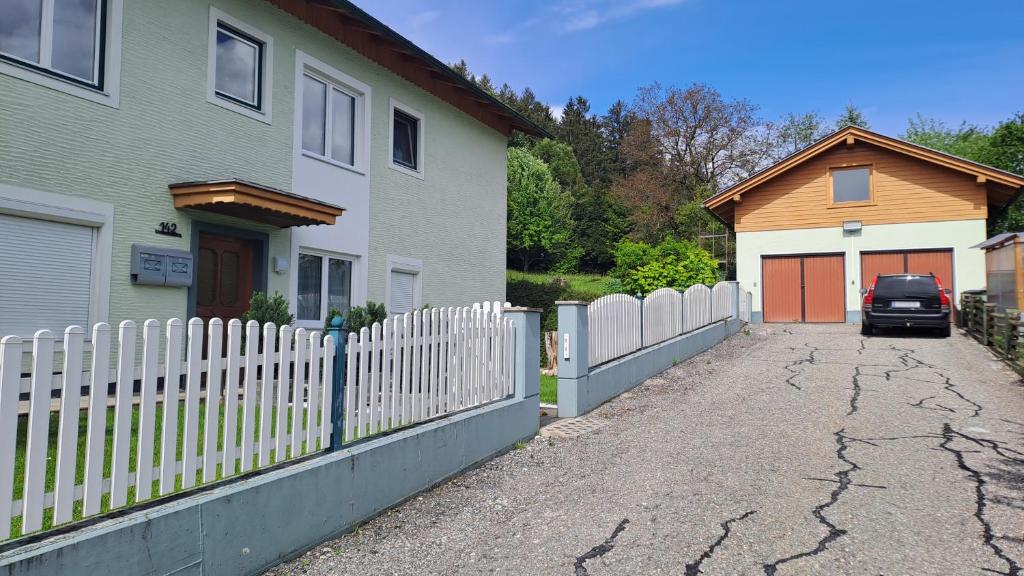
x: 968, y: 263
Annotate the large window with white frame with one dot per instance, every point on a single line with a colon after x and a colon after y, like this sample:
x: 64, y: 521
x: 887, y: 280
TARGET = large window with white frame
x: 324, y: 283
x: 62, y: 38
x: 239, y: 72
x: 330, y: 120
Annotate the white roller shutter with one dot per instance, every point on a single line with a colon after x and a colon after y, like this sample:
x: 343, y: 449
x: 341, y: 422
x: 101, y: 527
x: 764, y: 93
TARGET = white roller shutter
x: 403, y: 288
x: 45, y: 275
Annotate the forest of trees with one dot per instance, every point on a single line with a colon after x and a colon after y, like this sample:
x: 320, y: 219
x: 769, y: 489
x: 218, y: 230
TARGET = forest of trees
x: 637, y: 174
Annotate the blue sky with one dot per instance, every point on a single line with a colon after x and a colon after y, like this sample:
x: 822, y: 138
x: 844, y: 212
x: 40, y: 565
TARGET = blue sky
x: 953, y: 61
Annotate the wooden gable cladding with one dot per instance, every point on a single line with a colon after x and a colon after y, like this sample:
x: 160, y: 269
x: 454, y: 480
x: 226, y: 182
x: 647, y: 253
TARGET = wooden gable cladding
x: 905, y: 189
x: 380, y: 45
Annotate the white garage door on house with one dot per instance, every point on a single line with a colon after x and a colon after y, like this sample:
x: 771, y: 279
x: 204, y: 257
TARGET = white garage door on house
x: 45, y: 275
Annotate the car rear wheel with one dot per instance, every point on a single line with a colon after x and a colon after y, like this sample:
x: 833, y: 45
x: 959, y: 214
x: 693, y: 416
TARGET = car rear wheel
x: 866, y: 329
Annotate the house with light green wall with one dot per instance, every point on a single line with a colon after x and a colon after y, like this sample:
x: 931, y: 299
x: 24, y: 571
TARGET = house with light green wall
x: 167, y: 159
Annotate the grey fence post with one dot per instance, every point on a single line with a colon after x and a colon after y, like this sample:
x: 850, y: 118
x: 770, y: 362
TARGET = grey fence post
x: 527, y: 358
x: 338, y: 383
x: 573, y: 356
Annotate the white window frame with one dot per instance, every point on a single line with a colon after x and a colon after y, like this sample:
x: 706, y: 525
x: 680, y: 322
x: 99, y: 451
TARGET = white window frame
x: 409, y: 266
x: 99, y: 216
x: 109, y: 67
x: 420, y: 149
x: 308, y: 65
x: 324, y: 306
x: 263, y: 113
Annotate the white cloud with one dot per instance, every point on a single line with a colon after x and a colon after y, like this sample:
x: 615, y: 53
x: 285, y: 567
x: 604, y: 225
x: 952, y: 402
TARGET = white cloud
x: 557, y: 111
x: 587, y: 14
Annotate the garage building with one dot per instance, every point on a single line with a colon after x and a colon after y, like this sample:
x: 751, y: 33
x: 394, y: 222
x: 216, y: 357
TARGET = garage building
x: 815, y: 228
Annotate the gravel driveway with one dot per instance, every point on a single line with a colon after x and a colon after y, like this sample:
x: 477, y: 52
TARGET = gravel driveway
x: 801, y: 449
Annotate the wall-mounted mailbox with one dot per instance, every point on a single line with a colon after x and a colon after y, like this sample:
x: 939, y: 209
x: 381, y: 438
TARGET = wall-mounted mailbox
x: 159, y: 266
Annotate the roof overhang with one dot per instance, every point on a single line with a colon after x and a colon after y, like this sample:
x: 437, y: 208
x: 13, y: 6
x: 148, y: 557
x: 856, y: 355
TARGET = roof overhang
x: 350, y: 25
x: 253, y: 202
x: 1001, y: 186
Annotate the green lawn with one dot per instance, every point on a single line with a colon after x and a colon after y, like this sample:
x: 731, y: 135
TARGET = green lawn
x: 549, y: 389
x: 595, y: 285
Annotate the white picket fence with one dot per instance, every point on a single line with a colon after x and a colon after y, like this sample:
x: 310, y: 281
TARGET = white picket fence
x: 616, y: 329
x: 663, y: 315
x: 270, y: 402
x: 614, y: 322
x: 425, y: 364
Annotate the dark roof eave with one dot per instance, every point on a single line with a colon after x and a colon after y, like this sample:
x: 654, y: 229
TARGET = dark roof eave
x: 516, y: 120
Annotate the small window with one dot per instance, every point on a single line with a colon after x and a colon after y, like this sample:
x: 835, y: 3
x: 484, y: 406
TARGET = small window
x: 851, y: 185
x: 59, y: 37
x: 239, y: 67
x: 406, y: 140
x: 406, y: 136
x: 240, y: 62
x: 328, y: 121
x: 320, y: 276
x: 403, y: 292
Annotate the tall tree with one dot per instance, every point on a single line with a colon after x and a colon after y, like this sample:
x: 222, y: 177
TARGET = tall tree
x: 539, y: 222
x: 615, y: 125
x: 581, y: 130
x: 852, y: 116
x: 798, y: 132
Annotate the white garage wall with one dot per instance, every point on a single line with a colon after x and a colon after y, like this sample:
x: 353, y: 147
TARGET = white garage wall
x: 960, y: 235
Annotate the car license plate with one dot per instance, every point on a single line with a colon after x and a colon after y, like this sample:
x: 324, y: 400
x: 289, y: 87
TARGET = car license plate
x: 905, y: 304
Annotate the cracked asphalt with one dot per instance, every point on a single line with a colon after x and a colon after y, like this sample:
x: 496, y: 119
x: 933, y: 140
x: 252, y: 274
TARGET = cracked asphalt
x: 796, y: 449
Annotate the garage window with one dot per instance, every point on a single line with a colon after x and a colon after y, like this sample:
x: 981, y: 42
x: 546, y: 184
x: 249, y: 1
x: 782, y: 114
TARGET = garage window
x: 45, y: 275
x: 851, y: 185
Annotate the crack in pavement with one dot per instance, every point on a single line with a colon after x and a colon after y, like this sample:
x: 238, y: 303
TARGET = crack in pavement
x: 851, y: 484
x: 693, y: 568
x: 949, y: 386
x: 834, y: 532
x: 980, y: 502
x: 938, y: 408
x: 856, y: 391
x: 793, y: 373
x: 599, y: 550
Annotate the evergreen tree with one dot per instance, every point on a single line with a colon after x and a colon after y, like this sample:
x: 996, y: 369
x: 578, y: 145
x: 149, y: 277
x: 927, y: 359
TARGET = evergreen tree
x: 852, y: 116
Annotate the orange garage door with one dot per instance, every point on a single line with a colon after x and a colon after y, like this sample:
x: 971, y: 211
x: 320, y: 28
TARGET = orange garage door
x: 938, y: 262
x: 803, y: 288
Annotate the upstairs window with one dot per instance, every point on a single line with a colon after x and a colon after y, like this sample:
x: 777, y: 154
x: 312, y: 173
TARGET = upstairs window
x: 328, y: 121
x: 406, y: 135
x: 239, y: 67
x: 406, y: 140
x: 851, y: 185
x: 59, y: 37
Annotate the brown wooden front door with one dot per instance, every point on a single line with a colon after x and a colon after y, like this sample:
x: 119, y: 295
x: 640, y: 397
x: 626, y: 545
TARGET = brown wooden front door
x: 806, y: 288
x: 223, y: 276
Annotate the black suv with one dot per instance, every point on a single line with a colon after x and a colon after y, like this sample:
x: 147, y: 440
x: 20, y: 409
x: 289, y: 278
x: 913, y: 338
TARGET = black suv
x: 905, y: 300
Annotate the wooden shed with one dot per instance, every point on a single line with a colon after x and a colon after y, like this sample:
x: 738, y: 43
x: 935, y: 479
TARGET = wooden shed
x: 1004, y: 270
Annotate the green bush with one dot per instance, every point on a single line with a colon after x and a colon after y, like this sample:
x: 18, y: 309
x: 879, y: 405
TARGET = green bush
x: 265, y: 309
x: 678, y: 264
x: 543, y: 296
x: 359, y: 317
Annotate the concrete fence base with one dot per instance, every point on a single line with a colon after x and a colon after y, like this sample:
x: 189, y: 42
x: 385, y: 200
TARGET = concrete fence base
x: 244, y: 527
x: 581, y: 394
